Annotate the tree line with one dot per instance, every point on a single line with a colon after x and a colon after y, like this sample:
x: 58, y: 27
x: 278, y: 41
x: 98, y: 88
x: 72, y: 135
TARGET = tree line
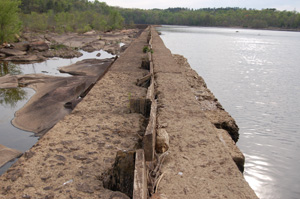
x: 83, y: 15
x: 69, y: 15
x: 222, y: 17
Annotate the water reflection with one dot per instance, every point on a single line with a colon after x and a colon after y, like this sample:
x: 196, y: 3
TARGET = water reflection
x: 9, y: 68
x: 10, y: 96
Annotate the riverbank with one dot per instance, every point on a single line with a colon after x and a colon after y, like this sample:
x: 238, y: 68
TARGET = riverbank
x: 70, y: 160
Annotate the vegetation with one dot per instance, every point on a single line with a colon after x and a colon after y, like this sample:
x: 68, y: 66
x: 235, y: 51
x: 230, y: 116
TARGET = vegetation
x: 9, y: 20
x: 84, y: 15
x: 224, y: 17
x: 69, y: 15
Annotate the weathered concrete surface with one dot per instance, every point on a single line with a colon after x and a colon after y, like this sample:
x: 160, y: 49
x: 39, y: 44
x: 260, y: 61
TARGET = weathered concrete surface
x: 69, y: 160
x: 208, y: 103
x: 7, y: 154
x: 140, y: 188
x: 198, y: 165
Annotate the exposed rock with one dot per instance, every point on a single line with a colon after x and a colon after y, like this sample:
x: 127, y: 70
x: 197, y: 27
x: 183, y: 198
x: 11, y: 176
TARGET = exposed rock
x: 39, y: 46
x: 63, y: 53
x: 12, y: 52
x: 88, y: 48
x: 22, y: 46
x: 48, y: 105
x: 162, y: 141
x: 9, y: 81
x: 92, y: 32
x: 7, y: 154
x: 93, y: 46
x: 25, y: 58
x: 112, y: 49
x: 2, y: 55
x: 92, y: 67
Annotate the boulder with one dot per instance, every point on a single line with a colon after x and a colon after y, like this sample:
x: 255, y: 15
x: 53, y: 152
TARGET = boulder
x: 88, y: 48
x: 25, y: 58
x: 39, y: 46
x: 162, y: 141
x: 22, y: 46
x: 7, y: 154
x: 12, y: 52
x: 63, y: 53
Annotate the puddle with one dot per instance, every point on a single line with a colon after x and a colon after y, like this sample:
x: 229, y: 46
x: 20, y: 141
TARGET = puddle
x: 13, y: 99
x: 50, y: 66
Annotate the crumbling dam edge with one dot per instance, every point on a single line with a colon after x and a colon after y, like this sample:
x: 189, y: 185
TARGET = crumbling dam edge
x: 148, y: 128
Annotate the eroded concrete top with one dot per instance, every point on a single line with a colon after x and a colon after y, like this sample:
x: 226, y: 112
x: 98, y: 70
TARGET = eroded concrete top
x: 198, y: 165
x: 69, y: 160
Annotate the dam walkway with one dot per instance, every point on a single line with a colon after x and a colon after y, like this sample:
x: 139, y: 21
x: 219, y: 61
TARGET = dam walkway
x: 91, y: 152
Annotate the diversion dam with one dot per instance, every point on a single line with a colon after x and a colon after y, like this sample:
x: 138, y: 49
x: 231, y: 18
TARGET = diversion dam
x: 149, y: 128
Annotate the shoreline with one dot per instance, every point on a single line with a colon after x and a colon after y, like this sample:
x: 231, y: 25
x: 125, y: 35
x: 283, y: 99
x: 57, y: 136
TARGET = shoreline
x: 238, y: 27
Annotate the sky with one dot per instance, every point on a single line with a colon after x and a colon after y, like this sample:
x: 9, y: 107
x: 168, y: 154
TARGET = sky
x: 289, y: 5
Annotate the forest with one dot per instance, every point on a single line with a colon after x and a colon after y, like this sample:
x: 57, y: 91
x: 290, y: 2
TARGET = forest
x: 69, y: 15
x: 220, y: 17
x: 83, y: 15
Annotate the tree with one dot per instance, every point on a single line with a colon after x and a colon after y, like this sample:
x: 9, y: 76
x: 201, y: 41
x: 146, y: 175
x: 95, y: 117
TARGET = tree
x: 9, y: 20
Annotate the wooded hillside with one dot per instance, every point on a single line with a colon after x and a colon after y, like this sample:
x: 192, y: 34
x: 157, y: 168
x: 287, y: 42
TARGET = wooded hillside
x: 69, y: 15
x: 224, y: 17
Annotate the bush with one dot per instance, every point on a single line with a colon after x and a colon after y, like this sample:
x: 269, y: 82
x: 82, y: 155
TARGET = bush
x: 10, y: 24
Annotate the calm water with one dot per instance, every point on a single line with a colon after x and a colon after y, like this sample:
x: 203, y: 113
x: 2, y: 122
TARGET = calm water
x: 13, y: 99
x: 255, y: 75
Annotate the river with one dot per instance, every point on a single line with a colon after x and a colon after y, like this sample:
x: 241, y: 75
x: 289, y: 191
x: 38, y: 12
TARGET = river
x: 255, y: 76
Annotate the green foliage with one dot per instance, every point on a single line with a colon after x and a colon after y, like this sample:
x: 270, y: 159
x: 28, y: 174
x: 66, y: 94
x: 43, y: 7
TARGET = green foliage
x: 147, y: 49
x: 83, y: 15
x: 69, y: 16
x: 9, y: 20
x: 57, y: 46
x: 224, y: 17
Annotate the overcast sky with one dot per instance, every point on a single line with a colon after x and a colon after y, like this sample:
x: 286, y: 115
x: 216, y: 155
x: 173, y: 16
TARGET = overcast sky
x: 196, y: 4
